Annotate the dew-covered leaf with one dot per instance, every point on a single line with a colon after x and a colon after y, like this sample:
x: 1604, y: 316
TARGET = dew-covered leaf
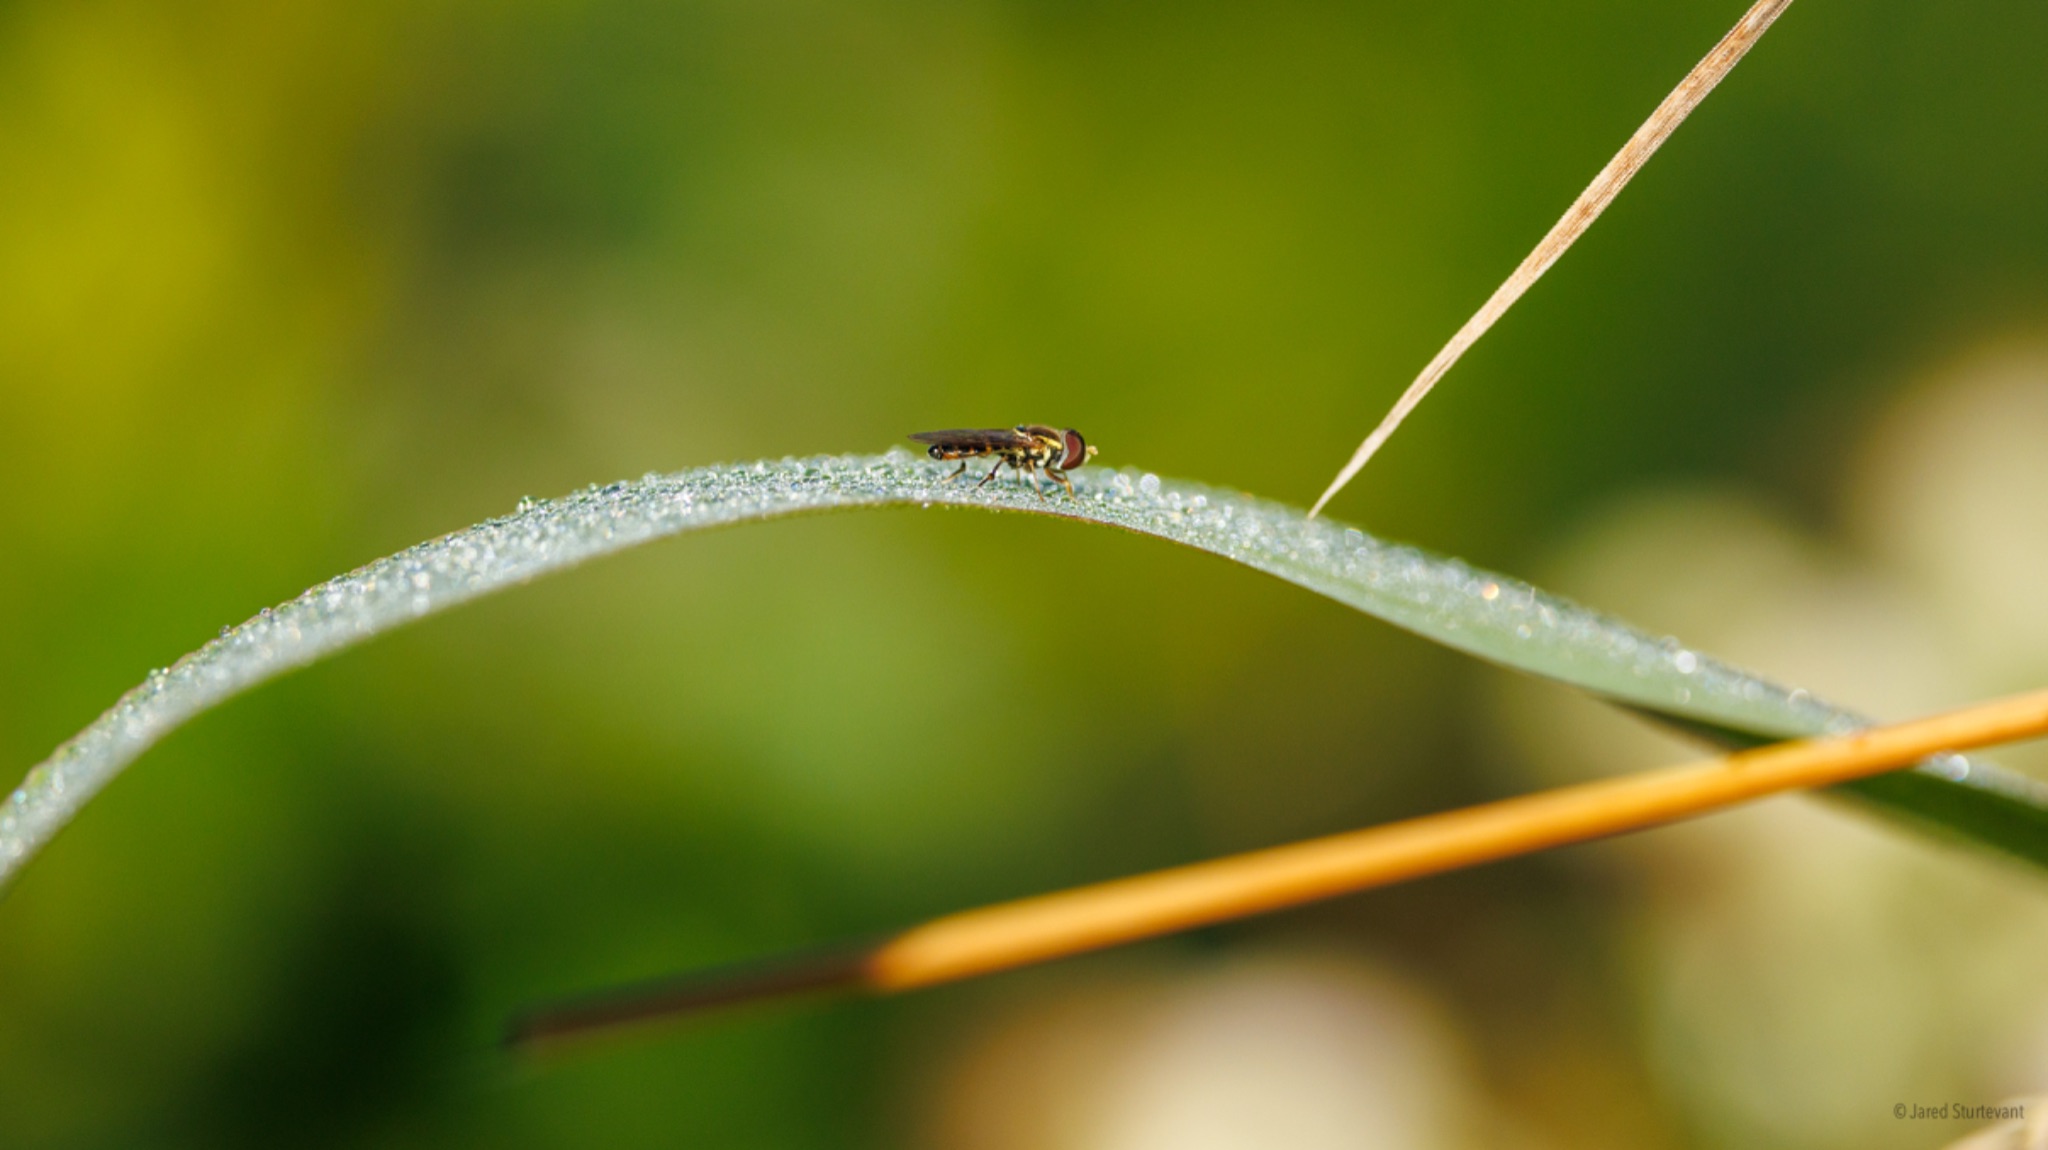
x: 1491, y: 616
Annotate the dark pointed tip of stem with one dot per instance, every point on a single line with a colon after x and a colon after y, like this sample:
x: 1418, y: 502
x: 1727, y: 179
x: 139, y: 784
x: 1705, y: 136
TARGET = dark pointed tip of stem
x: 555, y: 1024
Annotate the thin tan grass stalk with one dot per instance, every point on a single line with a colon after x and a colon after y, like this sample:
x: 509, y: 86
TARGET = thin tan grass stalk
x: 1580, y: 216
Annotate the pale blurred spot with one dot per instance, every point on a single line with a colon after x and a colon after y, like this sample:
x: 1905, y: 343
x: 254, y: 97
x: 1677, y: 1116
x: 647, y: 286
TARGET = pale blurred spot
x: 2023, y: 1062
x: 1954, y: 489
x: 1801, y: 967
x: 1303, y: 1053
x: 1827, y: 962
x: 2029, y: 1133
x: 1729, y: 577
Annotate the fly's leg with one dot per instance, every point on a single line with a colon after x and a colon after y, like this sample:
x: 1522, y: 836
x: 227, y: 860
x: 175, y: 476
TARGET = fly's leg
x: 1031, y: 472
x: 1063, y: 481
x: 984, y: 479
x: 956, y: 474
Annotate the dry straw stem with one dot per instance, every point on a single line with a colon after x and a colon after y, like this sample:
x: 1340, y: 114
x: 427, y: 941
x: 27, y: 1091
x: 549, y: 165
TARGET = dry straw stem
x: 1580, y: 216
x: 1089, y: 918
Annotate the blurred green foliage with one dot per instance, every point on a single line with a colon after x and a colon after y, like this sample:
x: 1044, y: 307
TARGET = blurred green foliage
x: 286, y: 287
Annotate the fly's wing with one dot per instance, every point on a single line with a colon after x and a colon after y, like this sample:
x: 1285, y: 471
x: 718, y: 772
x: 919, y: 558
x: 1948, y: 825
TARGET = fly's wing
x: 972, y: 441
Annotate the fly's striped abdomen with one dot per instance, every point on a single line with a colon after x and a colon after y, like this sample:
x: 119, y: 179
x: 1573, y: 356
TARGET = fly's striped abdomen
x: 962, y: 443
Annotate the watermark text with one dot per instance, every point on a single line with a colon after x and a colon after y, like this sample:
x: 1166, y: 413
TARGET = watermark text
x: 1961, y: 1111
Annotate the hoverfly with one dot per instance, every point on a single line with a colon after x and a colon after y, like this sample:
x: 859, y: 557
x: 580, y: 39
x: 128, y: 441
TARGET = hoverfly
x: 1025, y: 447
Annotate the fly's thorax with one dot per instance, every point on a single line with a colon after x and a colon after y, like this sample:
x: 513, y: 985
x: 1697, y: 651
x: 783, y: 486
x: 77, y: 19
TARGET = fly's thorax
x: 1046, y: 446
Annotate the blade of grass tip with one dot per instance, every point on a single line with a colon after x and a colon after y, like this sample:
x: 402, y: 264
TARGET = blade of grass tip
x: 1580, y: 216
x: 1064, y: 923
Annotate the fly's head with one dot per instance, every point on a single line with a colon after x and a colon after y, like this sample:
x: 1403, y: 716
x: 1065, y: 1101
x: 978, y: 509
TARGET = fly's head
x: 1074, y: 450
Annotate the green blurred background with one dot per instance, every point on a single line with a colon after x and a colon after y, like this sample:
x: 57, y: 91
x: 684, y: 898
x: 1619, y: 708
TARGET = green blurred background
x: 284, y: 288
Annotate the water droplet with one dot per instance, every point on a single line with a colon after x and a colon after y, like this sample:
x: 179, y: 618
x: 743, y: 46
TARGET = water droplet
x: 226, y: 631
x: 1149, y: 485
x: 526, y: 503
x: 1490, y: 592
x: 1686, y: 662
x: 265, y: 613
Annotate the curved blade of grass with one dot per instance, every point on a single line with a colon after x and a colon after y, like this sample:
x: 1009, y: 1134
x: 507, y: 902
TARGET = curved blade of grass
x: 1490, y: 616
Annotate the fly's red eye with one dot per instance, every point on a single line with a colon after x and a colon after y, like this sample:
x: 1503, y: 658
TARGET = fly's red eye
x: 1077, y: 451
